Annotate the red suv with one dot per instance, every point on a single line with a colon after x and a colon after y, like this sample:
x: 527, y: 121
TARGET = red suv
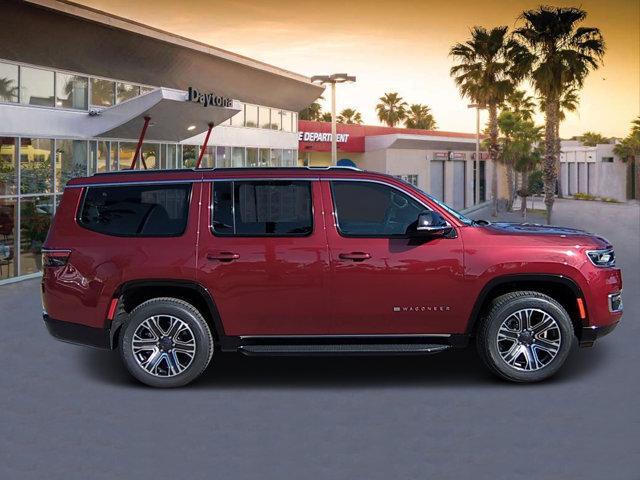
x: 171, y: 266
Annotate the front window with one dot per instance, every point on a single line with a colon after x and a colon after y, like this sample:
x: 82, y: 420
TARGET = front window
x: 72, y: 91
x: 102, y: 92
x: 455, y: 213
x: 270, y: 208
x: 36, y: 86
x: 367, y: 209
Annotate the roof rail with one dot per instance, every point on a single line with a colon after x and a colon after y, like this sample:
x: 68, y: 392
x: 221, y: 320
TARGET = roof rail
x: 169, y: 170
x: 335, y: 167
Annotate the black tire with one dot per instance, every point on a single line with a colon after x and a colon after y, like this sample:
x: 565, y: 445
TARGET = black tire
x: 490, y: 349
x: 198, y: 334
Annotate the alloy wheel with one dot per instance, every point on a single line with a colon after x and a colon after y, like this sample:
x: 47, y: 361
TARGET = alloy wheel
x: 163, y: 345
x: 529, y: 339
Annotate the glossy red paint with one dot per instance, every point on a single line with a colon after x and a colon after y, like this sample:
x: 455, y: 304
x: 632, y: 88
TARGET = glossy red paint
x: 306, y: 285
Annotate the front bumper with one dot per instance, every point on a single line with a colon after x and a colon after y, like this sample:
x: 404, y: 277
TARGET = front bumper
x: 589, y: 335
x: 77, y: 334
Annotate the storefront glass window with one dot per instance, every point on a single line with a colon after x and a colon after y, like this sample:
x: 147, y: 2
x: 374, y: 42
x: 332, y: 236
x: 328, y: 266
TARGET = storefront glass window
x: 170, y: 159
x: 8, y: 177
x: 72, y: 91
x: 287, y: 158
x: 223, y: 157
x: 102, y: 92
x: 8, y: 82
x: 100, y: 152
x: 264, y: 117
x: 144, y: 90
x: 276, y: 158
x: 286, y: 121
x: 208, y: 159
x: 125, y: 91
x: 189, y: 156
x: 238, y: 157
x: 294, y: 118
x: 252, y: 157
x: 276, y: 119
x: 151, y: 154
x: 8, y: 238
x: 71, y: 161
x: 126, y: 152
x: 238, y: 119
x: 251, y: 116
x: 35, y: 165
x: 35, y: 219
x: 36, y: 86
x: 265, y: 157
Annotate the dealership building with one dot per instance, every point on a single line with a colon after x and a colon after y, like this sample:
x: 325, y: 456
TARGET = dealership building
x: 440, y: 163
x: 78, y: 87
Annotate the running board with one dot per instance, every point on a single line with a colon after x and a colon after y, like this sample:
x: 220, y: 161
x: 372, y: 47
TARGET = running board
x: 345, y: 349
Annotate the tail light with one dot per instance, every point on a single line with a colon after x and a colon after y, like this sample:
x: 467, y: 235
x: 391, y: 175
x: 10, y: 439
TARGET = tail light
x: 55, y: 258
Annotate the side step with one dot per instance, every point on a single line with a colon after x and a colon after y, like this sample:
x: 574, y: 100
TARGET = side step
x: 344, y: 349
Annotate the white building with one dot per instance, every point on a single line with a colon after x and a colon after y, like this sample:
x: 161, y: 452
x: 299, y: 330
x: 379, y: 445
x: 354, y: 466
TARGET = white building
x: 594, y: 170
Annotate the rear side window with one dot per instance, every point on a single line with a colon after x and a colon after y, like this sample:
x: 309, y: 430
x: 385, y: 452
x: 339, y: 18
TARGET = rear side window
x: 136, y: 210
x: 262, y: 208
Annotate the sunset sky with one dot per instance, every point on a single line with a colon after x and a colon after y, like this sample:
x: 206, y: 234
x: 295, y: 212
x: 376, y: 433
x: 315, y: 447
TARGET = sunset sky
x: 398, y: 46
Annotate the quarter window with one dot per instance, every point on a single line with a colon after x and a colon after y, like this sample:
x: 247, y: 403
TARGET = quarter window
x: 366, y: 209
x: 262, y: 208
x: 137, y: 210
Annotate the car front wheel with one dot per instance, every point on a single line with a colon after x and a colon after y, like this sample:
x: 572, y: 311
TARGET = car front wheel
x: 166, y: 343
x: 525, y: 337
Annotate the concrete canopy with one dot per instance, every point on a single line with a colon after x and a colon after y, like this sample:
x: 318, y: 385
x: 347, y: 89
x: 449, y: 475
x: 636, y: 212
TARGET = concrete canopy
x: 419, y: 142
x: 170, y: 112
x: 68, y: 36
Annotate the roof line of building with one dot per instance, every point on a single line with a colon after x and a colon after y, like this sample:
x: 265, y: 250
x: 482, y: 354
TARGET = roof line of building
x: 99, y: 16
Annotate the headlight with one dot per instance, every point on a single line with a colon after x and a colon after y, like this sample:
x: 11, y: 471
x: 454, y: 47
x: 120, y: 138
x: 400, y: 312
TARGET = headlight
x: 602, y: 258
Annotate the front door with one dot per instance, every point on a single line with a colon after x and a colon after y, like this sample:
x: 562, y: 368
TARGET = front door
x: 263, y: 255
x: 382, y: 281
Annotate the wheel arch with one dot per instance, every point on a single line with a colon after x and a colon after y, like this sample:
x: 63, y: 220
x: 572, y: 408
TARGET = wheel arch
x: 562, y: 288
x: 133, y: 293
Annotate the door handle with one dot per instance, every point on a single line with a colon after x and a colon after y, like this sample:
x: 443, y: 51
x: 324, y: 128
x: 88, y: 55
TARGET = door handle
x: 223, y: 256
x: 355, y: 256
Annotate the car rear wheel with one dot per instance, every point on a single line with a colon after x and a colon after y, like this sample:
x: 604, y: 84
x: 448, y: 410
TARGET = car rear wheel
x: 525, y: 337
x: 166, y: 343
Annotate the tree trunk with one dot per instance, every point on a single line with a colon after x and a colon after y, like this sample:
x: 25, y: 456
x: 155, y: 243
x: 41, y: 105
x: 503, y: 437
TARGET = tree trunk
x: 493, y: 157
x: 524, y: 187
x: 510, y: 185
x: 558, y: 148
x: 549, y: 167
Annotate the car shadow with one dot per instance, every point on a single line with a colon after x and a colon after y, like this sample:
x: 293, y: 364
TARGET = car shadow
x: 456, y: 368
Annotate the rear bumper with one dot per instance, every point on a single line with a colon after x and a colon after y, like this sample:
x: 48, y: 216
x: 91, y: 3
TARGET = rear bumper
x: 589, y: 335
x: 77, y: 334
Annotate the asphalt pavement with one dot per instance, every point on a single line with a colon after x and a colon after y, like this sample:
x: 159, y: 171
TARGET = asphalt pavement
x: 69, y: 412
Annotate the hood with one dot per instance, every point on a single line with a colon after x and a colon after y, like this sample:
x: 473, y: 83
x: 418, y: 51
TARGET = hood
x: 544, y: 230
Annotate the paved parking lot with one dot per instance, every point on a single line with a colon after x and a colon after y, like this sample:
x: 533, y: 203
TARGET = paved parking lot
x: 68, y: 412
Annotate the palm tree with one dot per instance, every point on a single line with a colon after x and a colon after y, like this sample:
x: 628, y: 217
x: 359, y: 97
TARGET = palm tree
x: 312, y: 112
x: 8, y: 92
x: 629, y: 149
x: 563, y: 54
x: 350, y: 116
x: 591, y: 139
x: 508, y: 123
x: 568, y: 103
x: 420, y: 116
x: 392, y: 109
x: 489, y: 65
x: 520, y: 103
x: 325, y: 117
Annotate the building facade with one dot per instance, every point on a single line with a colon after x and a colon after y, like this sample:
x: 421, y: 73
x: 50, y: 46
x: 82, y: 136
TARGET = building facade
x: 440, y: 163
x: 594, y: 170
x: 76, y: 86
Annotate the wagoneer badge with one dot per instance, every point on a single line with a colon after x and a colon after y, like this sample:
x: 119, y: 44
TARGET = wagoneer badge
x: 423, y: 308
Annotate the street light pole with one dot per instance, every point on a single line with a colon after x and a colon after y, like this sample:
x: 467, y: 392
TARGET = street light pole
x: 477, y: 106
x: 334, y: 127
x: 332, y: 80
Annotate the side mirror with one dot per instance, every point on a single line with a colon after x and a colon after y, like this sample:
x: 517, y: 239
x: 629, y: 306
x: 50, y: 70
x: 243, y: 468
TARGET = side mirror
x: 432, y: 223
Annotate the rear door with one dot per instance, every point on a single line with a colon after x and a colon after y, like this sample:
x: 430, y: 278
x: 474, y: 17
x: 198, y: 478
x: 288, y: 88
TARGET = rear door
x: 382, y: 281
x: 263, y: 255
